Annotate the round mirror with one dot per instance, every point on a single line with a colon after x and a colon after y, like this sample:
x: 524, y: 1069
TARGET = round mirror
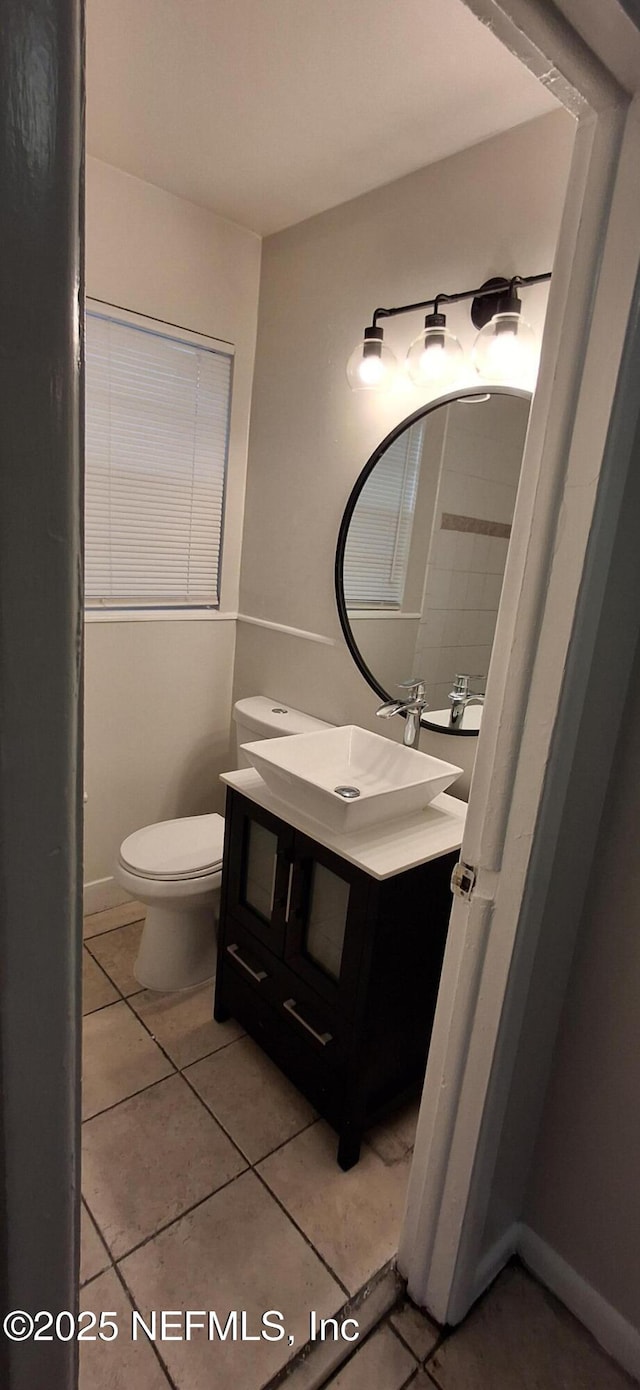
x: 422, y: 551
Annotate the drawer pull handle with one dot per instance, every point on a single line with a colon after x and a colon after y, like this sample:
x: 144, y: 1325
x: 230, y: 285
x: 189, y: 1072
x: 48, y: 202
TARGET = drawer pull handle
x: 258, y: 975
x: 291, y: 1008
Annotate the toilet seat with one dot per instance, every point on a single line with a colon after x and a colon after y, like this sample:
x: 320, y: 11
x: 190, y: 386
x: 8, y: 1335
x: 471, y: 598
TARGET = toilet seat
x: 188, y: 848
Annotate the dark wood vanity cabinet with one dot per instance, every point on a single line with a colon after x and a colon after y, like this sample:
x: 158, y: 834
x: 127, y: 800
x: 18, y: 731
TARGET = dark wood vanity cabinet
x: 334, y: 973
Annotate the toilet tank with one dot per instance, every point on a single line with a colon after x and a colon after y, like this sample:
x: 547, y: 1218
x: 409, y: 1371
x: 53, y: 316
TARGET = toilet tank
x: 260, y: 717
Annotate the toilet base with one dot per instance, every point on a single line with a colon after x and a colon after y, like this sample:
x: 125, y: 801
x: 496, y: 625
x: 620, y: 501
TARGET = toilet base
x: 177, y: 948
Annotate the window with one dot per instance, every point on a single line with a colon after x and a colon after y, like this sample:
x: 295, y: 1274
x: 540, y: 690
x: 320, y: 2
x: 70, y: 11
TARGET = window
x: 377, y: 549
x: 157, y: 426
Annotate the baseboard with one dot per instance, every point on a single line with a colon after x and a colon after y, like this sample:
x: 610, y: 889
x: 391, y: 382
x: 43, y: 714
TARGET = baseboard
x: 496, y: 1258
x: 609, y: 1327
x: 101, y: 894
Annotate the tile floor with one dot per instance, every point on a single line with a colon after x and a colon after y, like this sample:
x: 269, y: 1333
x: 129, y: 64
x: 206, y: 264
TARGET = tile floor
x: 209, y: 1183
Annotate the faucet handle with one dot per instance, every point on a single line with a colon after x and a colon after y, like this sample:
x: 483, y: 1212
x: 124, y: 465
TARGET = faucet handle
x: 415, y: 687
x: 461, y: 683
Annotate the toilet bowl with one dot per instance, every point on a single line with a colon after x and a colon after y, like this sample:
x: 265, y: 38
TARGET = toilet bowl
x: 174, y: 867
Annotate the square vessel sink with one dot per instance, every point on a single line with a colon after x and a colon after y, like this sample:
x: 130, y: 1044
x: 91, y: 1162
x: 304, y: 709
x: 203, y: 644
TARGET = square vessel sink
x: 348, y: 778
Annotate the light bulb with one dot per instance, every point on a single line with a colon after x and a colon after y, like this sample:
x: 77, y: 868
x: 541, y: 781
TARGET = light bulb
x: 435, y: 356
x: 372, y: 365
x: 506, y: 350
x: 371, y: 371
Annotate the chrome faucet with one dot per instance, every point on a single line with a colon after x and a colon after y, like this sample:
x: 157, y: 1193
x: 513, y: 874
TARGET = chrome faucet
x: 461, y: 696
x: 412, y: 707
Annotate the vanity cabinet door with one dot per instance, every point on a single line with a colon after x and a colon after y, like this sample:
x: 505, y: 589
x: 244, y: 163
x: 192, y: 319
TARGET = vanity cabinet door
x: 260, y: 872
x: 327, y: 919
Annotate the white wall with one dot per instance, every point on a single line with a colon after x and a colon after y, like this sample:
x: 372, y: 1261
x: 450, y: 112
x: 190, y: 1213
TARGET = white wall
x: 584, y: 1191
x: 158, y: 693
x: 493, y: 209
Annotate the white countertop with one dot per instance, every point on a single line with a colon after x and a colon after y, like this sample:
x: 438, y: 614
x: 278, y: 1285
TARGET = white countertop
x: 380, y: 850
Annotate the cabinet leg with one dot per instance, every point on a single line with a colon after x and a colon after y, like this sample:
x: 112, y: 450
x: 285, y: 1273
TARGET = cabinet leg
x: 349, y: 1148
x: 220, y: 1011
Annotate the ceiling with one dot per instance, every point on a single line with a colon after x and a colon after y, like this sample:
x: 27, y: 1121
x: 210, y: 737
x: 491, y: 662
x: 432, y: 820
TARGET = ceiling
x: 268, y: 111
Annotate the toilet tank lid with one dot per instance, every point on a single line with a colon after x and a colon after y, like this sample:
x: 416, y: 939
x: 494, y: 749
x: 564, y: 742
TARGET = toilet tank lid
x: 273, y: 717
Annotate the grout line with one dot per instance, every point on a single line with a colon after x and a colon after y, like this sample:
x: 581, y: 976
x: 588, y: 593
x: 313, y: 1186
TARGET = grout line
x: 252, y: 1162
x: 88, y: 1118
x: 153, y: 1345
x: 427, y: 1372
x: 401, y: 1339
x: 307, y: 1241
x: 107, y: 931
x: 437, y: 1344
x: 111, y: 1264
x: 188, y: 1083
x: 117, y: 1259
x: 82, y: 1283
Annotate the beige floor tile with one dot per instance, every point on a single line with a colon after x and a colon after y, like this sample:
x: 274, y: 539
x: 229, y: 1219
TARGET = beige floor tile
x: 236, y: 1251
x: 382, y: 1363
x: 151, y: 1158
x: 94, y: 1256
x: 520, y: 1336
x: 417, y: 1329
x: 352, y: 1218
x: 183, y: 1023
x: 116, y: 952
x: 113, y: 917
x: 122, y: 1364
x: 250, y: 1096
x: 97, y: 990
x: 119, y: 1058
x: 394, y: 1138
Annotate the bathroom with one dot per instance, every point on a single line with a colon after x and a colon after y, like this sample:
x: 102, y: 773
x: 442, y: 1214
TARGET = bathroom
x: 291, y: 300
x: 167, y: 683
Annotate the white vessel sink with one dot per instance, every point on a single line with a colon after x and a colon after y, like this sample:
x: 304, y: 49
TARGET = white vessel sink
x: 379, y: 780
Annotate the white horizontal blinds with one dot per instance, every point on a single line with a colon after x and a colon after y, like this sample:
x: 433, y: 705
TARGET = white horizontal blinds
x: 157, y: 418
x: 377, y: 549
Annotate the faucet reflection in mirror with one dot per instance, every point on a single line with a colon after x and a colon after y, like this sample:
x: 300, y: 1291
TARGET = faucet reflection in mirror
x: 505, y: 349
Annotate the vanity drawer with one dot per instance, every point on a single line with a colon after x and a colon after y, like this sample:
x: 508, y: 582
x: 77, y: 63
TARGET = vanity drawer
x: 242, y: 953
x: 309, y: 1021
x: 320, y: 1078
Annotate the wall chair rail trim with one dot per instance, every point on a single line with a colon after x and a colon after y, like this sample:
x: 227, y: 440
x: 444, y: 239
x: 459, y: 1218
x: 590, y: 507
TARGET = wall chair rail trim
x: 290, y: 631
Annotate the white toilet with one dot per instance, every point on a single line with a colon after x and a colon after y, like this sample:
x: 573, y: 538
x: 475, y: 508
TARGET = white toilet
x: 175, y: 867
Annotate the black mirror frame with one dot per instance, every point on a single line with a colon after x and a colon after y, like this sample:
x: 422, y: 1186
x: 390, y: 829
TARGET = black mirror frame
x: 468, y: 393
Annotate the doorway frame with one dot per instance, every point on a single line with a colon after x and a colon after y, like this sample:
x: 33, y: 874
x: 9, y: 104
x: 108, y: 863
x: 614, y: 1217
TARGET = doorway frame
x: 561, y: 559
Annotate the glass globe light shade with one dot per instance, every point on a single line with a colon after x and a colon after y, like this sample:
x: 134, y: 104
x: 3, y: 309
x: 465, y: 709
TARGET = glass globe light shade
x: 506, y: 350
x: 371, y: 366
x: 435, y: 358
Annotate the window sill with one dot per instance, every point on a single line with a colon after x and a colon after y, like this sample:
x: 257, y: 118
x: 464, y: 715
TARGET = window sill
x: 157, y: 615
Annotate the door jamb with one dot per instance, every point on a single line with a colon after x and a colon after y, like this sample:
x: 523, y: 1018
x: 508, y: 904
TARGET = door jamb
x: 468, y: 1072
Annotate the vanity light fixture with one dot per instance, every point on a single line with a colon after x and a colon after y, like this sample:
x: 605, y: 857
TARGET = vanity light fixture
x: 505, y: 349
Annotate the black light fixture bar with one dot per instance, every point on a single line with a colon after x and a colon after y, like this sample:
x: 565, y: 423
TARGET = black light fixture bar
x: 495, y: 288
